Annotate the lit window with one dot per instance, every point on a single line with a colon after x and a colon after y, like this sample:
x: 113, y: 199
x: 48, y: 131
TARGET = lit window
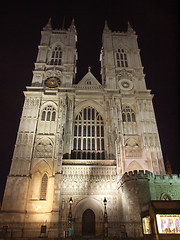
x: 128, y: 115
x: 164, y: 196
x: 56, y: 56
x: 146, y: 225
x: 89, y: 142
x: 168, y: 223
x: 44, y: 187
x: 121, y: 58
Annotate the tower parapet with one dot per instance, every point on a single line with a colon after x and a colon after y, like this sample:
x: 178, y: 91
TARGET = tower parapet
x: 158, y: 185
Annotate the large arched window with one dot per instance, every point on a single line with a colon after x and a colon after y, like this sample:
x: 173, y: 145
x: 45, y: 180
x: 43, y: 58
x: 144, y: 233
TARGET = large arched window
x: 88, y: 135
x: 44, y: 183
x: 47, y: 119
x: 56, y: 56
x: 48, y: 114
x: 128, y: 115
x: 121, y: 58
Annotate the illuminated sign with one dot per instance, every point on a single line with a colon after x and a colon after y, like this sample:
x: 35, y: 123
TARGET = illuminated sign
x: 146, y: 225
x: 168, y: 223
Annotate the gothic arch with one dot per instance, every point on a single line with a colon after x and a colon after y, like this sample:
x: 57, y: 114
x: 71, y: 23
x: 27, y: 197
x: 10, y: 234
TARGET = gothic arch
x: 165, y: 196
x: 57, y: 44
x: 88, y: 142
x: 47, y: 118
x: 122, y: 46
x: 134, y: 165
x: 88, y: 203
x: 53, y: 46
x: 129, y: 105
x: 42, y: 166
x: 90, y: 103
x: 54, y: 104
x: 38, y: 172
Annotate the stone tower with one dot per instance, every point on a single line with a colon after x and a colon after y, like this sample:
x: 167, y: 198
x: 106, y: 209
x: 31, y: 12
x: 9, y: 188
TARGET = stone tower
x: 76, y: 140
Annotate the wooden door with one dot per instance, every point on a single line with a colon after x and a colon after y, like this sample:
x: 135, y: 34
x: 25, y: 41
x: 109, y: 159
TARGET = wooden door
x: 88, y: 223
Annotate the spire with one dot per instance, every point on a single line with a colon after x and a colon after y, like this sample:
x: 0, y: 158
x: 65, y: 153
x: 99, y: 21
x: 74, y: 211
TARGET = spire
x: 89, y: 69
x: 72, y: 26
x: 130, y: 30
x: 106, y: 28
x: 48, y: 25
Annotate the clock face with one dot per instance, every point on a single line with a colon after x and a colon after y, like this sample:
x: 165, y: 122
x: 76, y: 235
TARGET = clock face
x: 52, y: 82
x: 125, y: 84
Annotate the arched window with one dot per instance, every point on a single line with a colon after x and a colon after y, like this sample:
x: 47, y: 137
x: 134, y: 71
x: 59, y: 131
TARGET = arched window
x: 43, y: 116
x: 56, y: 56
x: 48, y: 114
x: 133, y: 117
x: 89, y: 142
x: 47, y: 120
x: 121, y: 58
x: 44, y: 183
x: 88, y: 82
x: 123, y: 117
x: 128, y: 114
x: 128, y: 117
x: 165, y: 196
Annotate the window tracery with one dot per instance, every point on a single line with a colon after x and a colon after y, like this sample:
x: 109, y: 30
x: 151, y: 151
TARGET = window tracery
x: 128, y: 115
x: 88, y: 135
x: 44, y: 183
x: 47, y: 119
x: 48, y: 114
x: 121, y: 58
x: 56, y: 56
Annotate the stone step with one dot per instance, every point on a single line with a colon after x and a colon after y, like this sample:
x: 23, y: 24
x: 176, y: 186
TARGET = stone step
x: 88, y: 238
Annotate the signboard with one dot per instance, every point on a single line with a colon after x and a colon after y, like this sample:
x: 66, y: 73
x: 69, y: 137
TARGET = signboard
x: 168, y: 223
x: 146, y: 225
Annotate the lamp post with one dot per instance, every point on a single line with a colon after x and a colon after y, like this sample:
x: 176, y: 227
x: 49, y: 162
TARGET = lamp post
x: 105, y: 218
x: 70, y: 217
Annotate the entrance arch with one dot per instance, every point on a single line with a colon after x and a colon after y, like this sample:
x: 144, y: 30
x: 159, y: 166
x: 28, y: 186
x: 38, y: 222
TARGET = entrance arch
x: 88, y: 223
x: 96, y: 206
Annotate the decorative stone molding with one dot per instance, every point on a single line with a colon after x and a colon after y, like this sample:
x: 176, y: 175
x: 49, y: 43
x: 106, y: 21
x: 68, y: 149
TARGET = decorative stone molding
x: 125, y: 84
x: 52, y: 73
x: 89, y: 170
x: 89, y: 162
x: 125, y: 74
x: 132, y: 148
x: 86, y: 180
x: 31, y: 102
x: 43, y: 147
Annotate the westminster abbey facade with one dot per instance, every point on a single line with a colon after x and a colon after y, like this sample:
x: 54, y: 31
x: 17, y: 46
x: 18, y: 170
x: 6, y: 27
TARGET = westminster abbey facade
x: 87, y: 159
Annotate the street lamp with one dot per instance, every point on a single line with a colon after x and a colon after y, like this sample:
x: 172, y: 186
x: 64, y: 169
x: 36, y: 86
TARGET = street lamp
x: 70, y: 210
x: 70, y: 216
x: 105, y: 218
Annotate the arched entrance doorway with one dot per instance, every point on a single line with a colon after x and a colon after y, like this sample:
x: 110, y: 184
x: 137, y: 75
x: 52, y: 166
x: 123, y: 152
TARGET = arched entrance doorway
x: 88, y: 223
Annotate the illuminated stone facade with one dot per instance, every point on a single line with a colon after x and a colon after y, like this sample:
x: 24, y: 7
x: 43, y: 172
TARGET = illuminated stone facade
x: 79, y: 139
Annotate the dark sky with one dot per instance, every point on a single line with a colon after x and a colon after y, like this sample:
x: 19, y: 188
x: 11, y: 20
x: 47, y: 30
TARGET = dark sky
x: 156, y: 24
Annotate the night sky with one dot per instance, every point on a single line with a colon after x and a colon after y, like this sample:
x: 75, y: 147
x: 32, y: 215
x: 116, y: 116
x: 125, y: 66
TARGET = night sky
x: 156, y: 24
